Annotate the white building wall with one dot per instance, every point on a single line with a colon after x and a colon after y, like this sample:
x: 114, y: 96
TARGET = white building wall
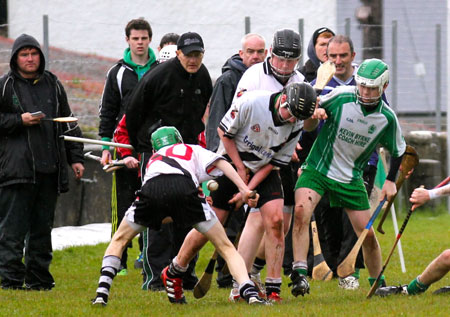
x: 98, y: 26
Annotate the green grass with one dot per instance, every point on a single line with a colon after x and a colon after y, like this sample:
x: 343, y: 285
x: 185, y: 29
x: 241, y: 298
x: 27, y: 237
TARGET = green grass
x: 76, y: 271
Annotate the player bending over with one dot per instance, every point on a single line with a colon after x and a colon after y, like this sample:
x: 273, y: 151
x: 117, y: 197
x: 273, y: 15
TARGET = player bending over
x: 172, y: 178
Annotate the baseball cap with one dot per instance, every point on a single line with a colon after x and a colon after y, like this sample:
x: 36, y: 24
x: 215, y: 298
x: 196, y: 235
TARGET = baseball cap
x: 190, y: 42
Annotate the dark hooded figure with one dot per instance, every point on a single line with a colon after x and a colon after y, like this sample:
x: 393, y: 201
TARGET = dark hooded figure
x: 317, y: 52
x: 33, y: 165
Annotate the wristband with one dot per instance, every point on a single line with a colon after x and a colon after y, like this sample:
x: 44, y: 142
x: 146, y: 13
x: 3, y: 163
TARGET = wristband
x: 106, y: 147
x: 434, y: 193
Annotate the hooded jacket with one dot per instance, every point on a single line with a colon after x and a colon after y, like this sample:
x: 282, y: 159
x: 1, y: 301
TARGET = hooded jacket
x: 39, y: 148
x: 309, y: 70
x: 221, y: 98
x: 120, y: 82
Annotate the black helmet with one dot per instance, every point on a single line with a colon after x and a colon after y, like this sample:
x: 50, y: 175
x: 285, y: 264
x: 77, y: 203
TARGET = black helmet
x: 301, y: 100
x: 287, y: 44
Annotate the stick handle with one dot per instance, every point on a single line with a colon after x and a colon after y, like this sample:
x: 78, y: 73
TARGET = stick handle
x: 375, y: 214
x: 409, y: 161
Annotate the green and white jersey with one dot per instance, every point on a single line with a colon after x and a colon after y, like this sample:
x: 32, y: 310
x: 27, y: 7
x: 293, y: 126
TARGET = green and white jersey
x: 351, y: 134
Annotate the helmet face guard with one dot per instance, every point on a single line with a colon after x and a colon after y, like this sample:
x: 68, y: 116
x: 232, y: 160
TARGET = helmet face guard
x: 286, y: 45
x: 300, y: 100
x: 372, y: 73
x: 165, y: 136
x: 167, y: 52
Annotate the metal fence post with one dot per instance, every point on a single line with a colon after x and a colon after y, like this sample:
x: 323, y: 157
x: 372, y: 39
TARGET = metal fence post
x: 46, y: 48
x: 301, y: 31
x: 247, y: 25
x: 347, y: 26
x: 438, y: 78
x: 393, y: 79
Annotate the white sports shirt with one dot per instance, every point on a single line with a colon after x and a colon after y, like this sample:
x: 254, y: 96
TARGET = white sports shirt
x: 249, y: 121
x: 260, y: 77
x: 193, y: 158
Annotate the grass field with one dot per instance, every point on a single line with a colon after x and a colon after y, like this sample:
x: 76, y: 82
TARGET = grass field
x: 76, y: 271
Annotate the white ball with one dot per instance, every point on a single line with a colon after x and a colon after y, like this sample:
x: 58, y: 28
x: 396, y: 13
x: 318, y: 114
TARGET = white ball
x: 212, y: 185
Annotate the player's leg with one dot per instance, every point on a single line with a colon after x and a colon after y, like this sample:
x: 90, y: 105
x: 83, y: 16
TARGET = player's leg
x: 436, y: 270
x: 111, y: 261
x: 305, y: 201
x: 272, y: 216
x: 247, y: 290
x: 250, y: 240
x: 195, y: 241
x: 260, y: 259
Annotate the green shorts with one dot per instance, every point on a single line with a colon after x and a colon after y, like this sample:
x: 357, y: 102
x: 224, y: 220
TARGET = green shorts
x: 351, y: 196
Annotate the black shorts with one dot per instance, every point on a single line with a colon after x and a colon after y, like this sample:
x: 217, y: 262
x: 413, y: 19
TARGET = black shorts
x: 269, y: 189
x: 288, y: 176
x: 169, y: 195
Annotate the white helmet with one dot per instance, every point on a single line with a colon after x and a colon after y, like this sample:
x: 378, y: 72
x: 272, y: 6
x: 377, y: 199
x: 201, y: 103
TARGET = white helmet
x: 167, y: 52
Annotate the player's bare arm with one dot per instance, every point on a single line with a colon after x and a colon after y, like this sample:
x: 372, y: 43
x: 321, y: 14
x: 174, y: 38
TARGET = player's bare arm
x: 230, y: 147
x: 421, y: 195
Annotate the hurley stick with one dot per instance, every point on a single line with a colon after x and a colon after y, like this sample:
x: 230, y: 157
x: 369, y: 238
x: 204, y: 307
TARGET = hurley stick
x: 325, y: 72
x: 92, y: 141
x: 409, y: 161
x: 321, y: 271
x: 347, y: 267
x: 61, y: 119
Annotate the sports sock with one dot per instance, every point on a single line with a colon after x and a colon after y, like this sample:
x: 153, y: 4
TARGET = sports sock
x: 356, y: 274
x: 416, y: 287
x: 301, y: 267
x: 244, y: 287
x: 258, y: 265
x: 176, y: 270
x: 381, y: 282
x: 110, y: 266
x: 273, y: 285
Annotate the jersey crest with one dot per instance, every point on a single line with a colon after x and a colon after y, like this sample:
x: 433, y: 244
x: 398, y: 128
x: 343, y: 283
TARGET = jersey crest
x: 255, y: 128
x: 241, y: 92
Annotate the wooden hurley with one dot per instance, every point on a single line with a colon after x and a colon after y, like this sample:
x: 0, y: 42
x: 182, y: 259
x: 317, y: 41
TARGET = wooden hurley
x: 61, y: 119
x: 325, y: 72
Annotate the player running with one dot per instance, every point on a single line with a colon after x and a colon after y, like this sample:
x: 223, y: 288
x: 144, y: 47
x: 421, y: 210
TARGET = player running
x: 358, y: 119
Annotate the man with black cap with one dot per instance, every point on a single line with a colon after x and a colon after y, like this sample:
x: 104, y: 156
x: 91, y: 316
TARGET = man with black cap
x: 317, y: 52
x: 33, y: 160
x: 175, y: 93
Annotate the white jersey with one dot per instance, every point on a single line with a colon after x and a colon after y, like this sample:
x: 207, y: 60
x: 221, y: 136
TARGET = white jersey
x: 250, y: 123
x: 193, y: 158
x: 260, y: 77
x: 351, y: 134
